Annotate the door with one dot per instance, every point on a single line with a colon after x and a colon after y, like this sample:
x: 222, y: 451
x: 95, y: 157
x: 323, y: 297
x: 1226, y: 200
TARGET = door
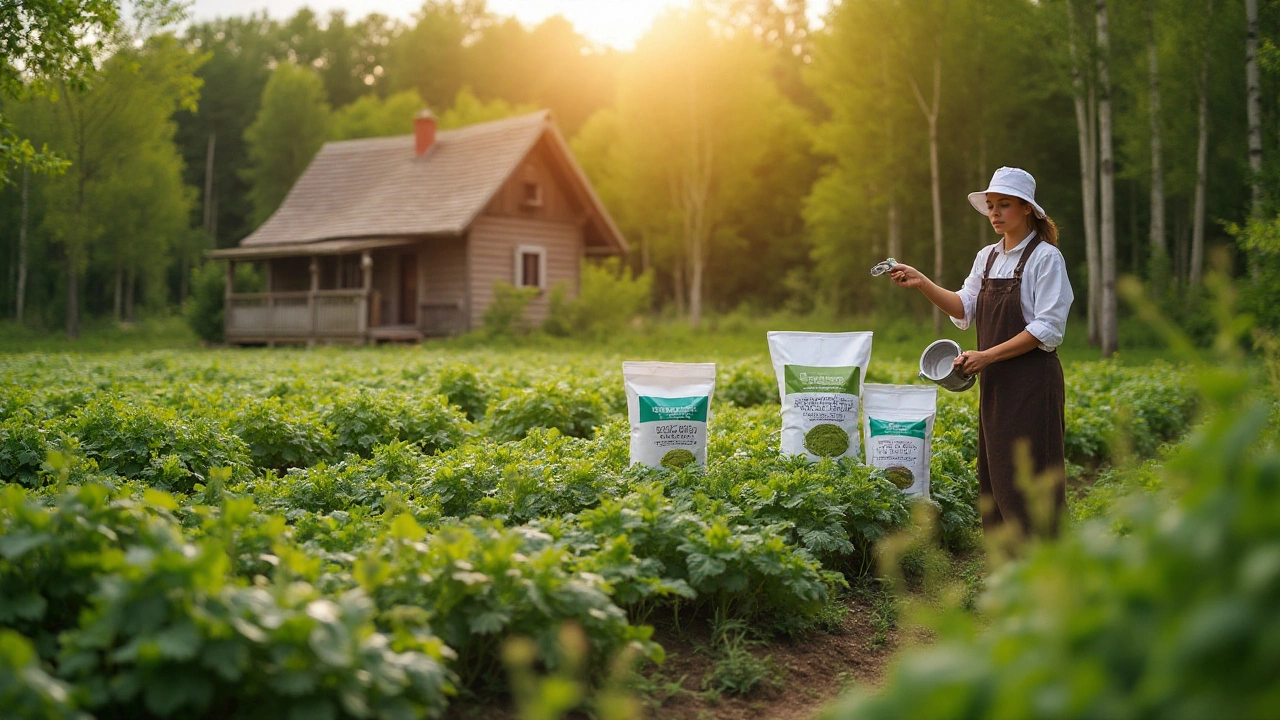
x: 409, y: 289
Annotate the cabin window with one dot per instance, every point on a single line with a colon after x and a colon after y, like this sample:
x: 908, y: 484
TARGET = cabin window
x: 531, y: 267
x: 532, y: 196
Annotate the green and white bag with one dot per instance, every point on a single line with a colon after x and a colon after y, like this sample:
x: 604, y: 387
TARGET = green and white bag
x: 667, y: 404
x: 898, y: 423
x: 820, y: 383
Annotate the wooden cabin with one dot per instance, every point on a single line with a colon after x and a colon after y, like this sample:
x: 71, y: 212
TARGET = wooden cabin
x: 398, y: 238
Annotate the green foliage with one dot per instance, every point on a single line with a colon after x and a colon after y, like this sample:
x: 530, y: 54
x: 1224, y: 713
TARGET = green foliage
x: 26, y: 690
x: 465, y: 390
x: 737, y: 671
x: 467, y: 109
x: 154, y: 443
x: 610, y: 296
x: 341, y: 537
x: 1154, y: 621
x: 281, y: 435
x: 505, y: 315
x: 1259, y: 241
x: 288, y: 131
x: 363, y: 418
x: 373, y: 116
x: 574, y: 412
x: 205, y: 311
x: 745, y: 386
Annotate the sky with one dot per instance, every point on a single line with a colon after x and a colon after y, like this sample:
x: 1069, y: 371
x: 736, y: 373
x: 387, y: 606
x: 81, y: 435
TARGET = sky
x: 618, y: 23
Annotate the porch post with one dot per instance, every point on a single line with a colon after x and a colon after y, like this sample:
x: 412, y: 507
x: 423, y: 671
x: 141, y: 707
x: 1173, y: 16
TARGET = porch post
x: 366, y: 284
x: 271, y: 306
x: 227, y: 312
x: 311, y: 297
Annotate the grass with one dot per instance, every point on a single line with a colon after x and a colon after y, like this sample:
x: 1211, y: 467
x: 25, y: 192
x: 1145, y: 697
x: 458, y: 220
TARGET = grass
x: 735, y: 335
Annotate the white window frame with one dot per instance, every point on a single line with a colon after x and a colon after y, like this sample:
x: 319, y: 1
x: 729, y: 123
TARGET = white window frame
x: 518, y: 265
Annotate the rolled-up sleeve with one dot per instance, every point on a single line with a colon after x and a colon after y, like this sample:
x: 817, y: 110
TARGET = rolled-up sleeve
x: 969, y: 294
x: 1051, y: 300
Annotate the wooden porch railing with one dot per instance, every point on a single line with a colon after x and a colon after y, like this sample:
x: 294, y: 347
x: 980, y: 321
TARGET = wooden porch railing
x: 297, y: 315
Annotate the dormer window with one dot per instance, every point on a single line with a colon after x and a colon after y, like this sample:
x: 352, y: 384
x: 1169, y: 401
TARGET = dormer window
x: 532, y: 194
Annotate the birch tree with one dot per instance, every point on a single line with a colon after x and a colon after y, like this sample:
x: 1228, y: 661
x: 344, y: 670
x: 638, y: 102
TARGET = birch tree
x: 1086, y: 135
x: 1202, y: 160
x: 1106, y: 158
x: 930, y: 110
x: 1159, y: 245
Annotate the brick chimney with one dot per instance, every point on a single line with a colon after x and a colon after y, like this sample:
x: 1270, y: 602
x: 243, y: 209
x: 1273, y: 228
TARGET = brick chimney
x: 424, y: 131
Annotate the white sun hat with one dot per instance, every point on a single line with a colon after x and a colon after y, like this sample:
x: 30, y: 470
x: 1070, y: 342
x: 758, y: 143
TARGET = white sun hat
x: 1008, y: 181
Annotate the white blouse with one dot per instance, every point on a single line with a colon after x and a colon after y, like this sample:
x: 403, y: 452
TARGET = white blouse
x: 1046, y: 291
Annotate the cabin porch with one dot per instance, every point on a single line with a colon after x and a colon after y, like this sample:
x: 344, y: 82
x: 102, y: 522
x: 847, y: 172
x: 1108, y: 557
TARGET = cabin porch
x: 373, y: 295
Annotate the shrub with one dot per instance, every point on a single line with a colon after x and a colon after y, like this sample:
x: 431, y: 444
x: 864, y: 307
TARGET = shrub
x: 205, y: 309
x: 610, y: 296
x: 505, y: 315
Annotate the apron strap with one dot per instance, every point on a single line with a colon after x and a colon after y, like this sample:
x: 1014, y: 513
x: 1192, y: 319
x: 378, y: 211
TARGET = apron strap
x: 1026, y: 255
x: 991, y: 260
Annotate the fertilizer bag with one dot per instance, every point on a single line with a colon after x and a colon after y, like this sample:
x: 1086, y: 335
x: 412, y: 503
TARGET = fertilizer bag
x: 897, y: 421
x: 667, y: 404
x: 820, y: 380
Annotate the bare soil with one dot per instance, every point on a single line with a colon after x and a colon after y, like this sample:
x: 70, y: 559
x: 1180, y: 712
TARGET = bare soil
x: 811, y: 673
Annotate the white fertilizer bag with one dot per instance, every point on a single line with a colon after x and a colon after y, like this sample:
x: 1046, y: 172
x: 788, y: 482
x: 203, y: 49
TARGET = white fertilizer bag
x: 667, y: 404
x: 820, y: 380
x: 898, y: 423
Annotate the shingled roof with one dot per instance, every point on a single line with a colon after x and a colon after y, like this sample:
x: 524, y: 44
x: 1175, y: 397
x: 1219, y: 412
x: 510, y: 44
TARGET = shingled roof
x: 378, y: 188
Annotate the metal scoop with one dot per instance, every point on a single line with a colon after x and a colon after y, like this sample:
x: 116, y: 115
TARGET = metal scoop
x: 883, y: 267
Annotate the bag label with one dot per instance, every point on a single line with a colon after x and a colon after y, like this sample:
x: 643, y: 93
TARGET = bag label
x: 657, y: 409
x: 892, y: 427
x: 812, y: 379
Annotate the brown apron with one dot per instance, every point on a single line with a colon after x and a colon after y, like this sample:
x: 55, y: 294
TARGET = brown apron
x: 1022, y: 402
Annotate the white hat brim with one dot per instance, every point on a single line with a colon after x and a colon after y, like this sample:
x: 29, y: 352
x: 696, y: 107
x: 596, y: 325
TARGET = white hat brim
x: 979, y: 199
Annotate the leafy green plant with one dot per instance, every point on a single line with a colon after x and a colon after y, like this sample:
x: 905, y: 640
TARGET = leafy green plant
x: 558, y: 405
x: 364, y: 418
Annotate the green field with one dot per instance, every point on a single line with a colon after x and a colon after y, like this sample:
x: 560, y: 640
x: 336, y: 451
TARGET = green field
x: 360, y: 532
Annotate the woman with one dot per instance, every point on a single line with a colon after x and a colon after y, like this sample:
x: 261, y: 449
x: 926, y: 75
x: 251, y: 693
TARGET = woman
x: 1019, y: 295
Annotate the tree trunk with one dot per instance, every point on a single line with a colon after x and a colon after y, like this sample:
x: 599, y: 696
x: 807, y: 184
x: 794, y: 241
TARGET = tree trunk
x: 20, y: 299
x: 1158, y: 270
x: 73, y: 296
x: 117, y: 304
x: 208, y: 190
x: 1196, y: 271
x: 130, y: 290
x: 935, y: 182
x: 1107, y: 239
x: 1253, y: 105
x: 1086, y: 139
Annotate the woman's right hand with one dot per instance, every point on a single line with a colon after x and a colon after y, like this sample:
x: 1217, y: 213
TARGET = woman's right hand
x: 907, y: 276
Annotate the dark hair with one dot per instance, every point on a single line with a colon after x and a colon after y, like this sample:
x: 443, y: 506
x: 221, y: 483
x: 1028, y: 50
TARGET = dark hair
x: 1046, y: 229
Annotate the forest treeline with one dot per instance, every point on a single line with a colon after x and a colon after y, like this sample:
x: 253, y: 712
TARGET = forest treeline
x: 752, y: 159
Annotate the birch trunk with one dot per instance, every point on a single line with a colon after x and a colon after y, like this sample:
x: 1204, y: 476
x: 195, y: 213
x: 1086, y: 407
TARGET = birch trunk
x: 1159, y: 242
x: 1196, y: 271
x: 1107, y: 226
x: 1085, y: 135
x: 1253, y: 105
x: 931, y: 114
x: 20, y: 300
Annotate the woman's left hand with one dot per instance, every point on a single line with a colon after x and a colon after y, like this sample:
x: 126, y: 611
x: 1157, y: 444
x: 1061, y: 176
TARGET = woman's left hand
x: 972, y: 362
